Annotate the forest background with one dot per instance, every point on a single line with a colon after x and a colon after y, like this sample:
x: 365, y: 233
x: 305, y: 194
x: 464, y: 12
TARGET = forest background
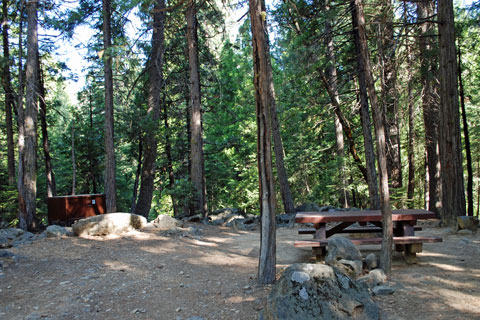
x: 325, y: 145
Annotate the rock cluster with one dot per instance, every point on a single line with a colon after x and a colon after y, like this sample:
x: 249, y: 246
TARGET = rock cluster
x: 316, y: 291
x: 13, y: 237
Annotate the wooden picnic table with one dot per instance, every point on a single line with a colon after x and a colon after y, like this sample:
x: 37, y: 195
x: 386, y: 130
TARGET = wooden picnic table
x: 405, y: 221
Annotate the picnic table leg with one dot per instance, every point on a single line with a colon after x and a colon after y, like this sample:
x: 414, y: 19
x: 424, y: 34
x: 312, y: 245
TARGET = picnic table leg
x: 405, y: 228
x: 320, y: 233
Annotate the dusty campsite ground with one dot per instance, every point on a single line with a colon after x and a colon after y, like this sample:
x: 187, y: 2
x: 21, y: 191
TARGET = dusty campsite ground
x: 212, y: 275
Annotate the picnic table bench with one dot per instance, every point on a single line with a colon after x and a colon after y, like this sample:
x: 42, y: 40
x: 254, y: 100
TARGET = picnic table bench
x: 370, y: 221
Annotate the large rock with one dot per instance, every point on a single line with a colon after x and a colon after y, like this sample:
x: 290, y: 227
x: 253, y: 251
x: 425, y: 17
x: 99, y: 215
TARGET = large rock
x: 467, y: 223
x: 108, y: 223
x: 164, y: 221
x: 345, y: 256
x: 222, y: 214
x: 342, y: 248
x: 55, y: 231
x: 316, y: 291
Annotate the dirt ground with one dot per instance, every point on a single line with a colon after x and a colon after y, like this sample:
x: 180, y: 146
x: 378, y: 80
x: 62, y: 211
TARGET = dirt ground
x: 147, y: 275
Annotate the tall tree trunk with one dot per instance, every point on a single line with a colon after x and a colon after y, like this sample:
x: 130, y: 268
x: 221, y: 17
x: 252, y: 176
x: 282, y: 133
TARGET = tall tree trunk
x: 155, y: 86
x: 411, y: 135
x: 51, y: 185
x: 9, y: 95
x: 263, y: 83
x: 74, y: 162
x: 365, y: 117
x: 168, y: 151
x: 387, y: 230
x: 466, y: 135
x: 92, y: 158
x: 110, y: 179
x: 197, y: 173
x: 138, y: 173
x: 30, y: 124
x: 332, y: 79
x: 285, y: 192
x: 389, y: 93
x: 22, y: 210
x: 453, y: 190
x: 430, y: 102
x: 411, y: 116
x: 345, y: 125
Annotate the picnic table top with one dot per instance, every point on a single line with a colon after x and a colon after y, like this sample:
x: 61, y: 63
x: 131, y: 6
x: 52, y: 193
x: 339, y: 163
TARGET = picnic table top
x: 362, y: 216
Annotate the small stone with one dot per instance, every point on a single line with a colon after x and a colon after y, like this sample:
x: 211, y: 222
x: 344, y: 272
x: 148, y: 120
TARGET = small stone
x: 65, y: 282
x: 182, y: 285
x: 371, y: 261
x: 195, y: 318
x: 34, y: 316
x: 137, y: 311
x: 181, y: 273
x: 178, y: 309
x: 383, y: 290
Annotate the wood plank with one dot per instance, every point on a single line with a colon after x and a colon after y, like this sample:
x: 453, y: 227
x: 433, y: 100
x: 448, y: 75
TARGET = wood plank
x: 351, y: 230
x: 367, y: 241
x: 362, y: 216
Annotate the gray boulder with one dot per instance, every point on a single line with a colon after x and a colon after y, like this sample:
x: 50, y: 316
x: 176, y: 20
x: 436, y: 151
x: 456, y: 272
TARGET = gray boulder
x: 371, y: 261
x: 108, y: 223
x: 164, y: 221
x: 55, y: 231
x: 13, y: 233
x: 221, y: 214
x: 342, y: 248
x: 467, y: 223
x: 316, y: 291
x: 345, y: 256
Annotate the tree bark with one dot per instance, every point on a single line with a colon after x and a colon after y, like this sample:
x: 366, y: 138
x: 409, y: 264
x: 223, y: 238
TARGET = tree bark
x: 168, y: 151
x: 9, y: 96
x: 466, y: 136
x: 30, y: 121
x: 74, y: 162
x: 365, y: 117
x: 263, y: 83
x: 430, y: 102
x: 389, y: 93
x: 22, y: 210
x: 155, y: 86
x: 49, y: 174
x: 285, y: 192
x: 411, y: 136
x: 453, y: 190
x: 110, y: 179
x: 387, y: 230
x: 197, y: 173
x: 332, y: 76
x: 344, y: 124
x: 92, y: 158
x: 138, y: 173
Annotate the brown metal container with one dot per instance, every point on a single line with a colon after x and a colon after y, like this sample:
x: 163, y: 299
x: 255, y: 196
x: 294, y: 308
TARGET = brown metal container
x: 66, y: 209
